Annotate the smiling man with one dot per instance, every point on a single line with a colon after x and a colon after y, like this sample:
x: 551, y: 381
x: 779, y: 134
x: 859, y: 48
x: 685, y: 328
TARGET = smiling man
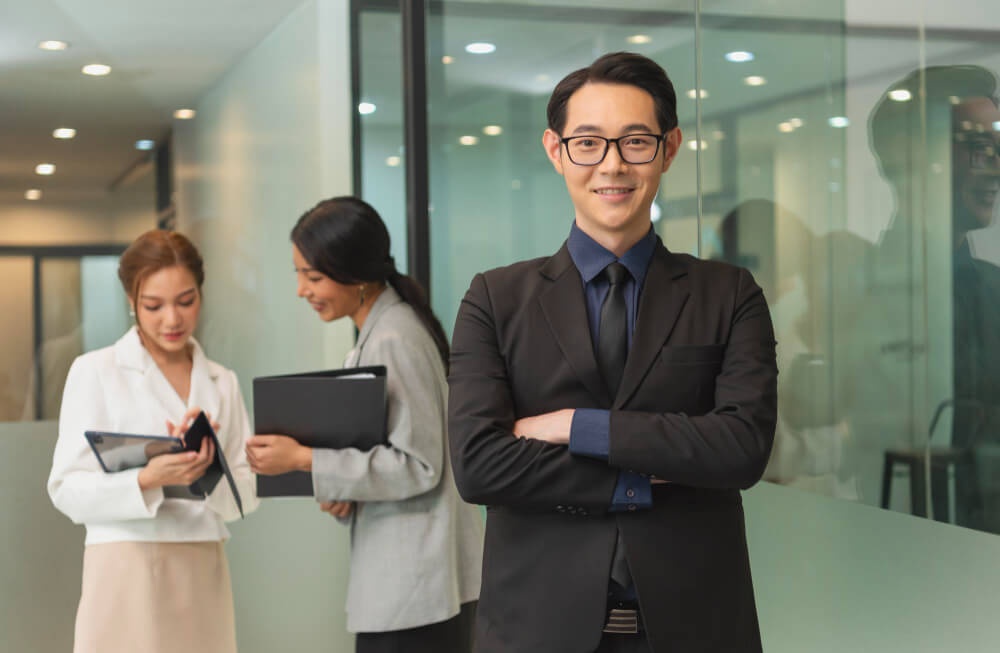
x: 609, y: 402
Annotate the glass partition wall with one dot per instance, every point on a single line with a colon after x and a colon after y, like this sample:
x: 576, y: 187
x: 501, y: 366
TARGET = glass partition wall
x: 859, y: 190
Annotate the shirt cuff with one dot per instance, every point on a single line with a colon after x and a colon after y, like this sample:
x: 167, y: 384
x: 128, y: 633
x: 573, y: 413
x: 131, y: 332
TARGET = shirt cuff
x: 589, y: 433
x: 633, y: 492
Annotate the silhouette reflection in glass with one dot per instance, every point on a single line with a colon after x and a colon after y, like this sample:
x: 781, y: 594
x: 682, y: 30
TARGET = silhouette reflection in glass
x: 812, y: 437
x: 951, y: 115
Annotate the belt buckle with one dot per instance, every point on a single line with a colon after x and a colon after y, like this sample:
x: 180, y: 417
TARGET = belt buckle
x: 622, y: 621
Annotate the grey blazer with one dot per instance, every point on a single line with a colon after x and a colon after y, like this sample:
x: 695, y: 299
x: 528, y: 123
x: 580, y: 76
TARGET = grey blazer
x: 416, y: 547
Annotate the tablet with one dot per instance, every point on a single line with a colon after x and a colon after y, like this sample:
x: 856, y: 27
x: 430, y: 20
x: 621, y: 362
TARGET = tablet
x: 120, y: 451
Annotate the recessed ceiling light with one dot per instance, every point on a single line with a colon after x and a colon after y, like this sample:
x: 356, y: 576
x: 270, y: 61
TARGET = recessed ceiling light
x: 468, y: 140
x: 739, y: 56
x: 754, y: 80
x: 366, y: 108
x: 184, y: 114
x: 145, y: 144
x: 954, y: 99
x: 52, y: 46
x: 393, y: 161
x: 996, y: 126
x: 45, y: 169
x: 480, y: 48
x: 697, y: 93
x: 492, y: 130
x: 639, y: 39
x: 786, y: 127
x: 447, y: 59
x: 795, y: 122
x: 33, y: 194
x: 96, y: 69
x: 63, y: 132
x: 693, y: 145
x: 900, y: 95
x: 839, y: 122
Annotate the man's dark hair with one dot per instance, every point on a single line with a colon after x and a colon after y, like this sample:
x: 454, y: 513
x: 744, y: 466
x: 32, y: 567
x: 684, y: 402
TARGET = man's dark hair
x: 618, y: 68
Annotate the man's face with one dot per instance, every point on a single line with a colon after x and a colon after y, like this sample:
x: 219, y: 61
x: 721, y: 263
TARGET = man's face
x: 975, y: 175
x: 613, y: 198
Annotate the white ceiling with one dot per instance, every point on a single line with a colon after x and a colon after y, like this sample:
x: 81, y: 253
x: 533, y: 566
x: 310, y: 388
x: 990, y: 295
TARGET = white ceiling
x: 164, y: 56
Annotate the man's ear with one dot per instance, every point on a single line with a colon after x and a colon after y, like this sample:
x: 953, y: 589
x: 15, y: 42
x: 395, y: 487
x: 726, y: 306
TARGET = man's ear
x: 671, y: 145
x: 553, y: 149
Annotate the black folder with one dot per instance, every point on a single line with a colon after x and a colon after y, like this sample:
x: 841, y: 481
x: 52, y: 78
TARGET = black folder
x: 331, y: 409
x: 119, y: 451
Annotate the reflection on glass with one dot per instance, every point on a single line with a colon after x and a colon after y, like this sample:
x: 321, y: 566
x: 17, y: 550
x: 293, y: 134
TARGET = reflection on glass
x: 954, y: 122
x: 810, y: 438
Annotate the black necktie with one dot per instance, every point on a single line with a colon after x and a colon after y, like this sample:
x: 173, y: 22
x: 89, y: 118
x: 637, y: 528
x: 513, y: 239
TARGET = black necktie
x: 612, y: 350
x: 612, y: 335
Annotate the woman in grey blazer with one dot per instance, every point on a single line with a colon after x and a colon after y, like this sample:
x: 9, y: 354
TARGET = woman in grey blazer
x: 416, y: 547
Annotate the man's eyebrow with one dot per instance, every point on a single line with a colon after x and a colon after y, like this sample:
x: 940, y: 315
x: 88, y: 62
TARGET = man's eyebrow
x: 587, y: 129
x: 628, y: 129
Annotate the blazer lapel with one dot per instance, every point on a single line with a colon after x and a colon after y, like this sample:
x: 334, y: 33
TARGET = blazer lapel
x: 204, y: 392
x: 565, y: 311
x: 664, y: 294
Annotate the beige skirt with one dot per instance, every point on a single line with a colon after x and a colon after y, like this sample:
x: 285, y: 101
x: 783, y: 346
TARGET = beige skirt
x: 155, y: 597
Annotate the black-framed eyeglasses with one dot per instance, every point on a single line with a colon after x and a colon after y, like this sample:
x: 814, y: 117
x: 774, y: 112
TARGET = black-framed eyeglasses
x: 634, y: 149
x: 984, y: 152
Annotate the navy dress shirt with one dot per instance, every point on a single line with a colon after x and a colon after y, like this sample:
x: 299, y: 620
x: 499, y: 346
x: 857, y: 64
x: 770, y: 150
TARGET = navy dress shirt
x: 590, y: 430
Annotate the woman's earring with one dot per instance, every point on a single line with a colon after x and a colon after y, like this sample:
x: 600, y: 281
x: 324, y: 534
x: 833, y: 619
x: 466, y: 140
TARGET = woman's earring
x: 363, y: 288
x: 131, y: 311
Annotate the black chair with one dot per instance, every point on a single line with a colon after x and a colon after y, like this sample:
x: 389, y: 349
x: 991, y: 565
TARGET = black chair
x: 941, y: 460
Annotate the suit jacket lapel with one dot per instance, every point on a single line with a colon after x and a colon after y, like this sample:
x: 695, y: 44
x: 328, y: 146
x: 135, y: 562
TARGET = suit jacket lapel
x: 664, y: 294
x: 565, y: 309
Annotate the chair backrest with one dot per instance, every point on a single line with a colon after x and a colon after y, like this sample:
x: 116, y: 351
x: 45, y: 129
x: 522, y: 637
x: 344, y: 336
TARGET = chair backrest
x: 977, y: 412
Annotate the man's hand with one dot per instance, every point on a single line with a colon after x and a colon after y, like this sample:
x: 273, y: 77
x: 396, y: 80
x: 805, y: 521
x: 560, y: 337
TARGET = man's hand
x: 277, y: 454
x: 339, y: 509
x: 549, y: 427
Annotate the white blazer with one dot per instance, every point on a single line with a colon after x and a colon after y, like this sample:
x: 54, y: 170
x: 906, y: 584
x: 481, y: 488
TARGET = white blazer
x: 416, y: 547
x: 120, y: 388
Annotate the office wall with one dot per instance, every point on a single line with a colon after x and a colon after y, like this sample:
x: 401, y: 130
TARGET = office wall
x: 269, y: 141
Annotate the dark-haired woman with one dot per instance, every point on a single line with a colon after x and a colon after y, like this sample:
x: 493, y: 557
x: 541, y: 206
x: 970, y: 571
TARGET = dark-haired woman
x: 155, y: 576
x: 416, y: 550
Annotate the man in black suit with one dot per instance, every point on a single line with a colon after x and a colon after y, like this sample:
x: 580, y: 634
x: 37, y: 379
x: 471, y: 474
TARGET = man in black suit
x: 607, y: 403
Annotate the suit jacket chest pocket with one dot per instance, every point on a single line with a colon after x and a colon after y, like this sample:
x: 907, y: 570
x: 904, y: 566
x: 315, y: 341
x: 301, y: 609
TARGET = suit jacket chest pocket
x: 684, y: 377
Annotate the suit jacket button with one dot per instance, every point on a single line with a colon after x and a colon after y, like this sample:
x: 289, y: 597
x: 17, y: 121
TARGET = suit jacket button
x: 631, y: 507
x: 630, y: 493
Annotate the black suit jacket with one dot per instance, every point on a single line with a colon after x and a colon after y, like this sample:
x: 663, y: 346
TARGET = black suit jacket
x: 696, y: 406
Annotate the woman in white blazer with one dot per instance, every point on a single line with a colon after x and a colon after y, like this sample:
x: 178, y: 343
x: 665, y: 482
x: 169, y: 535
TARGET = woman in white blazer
x: 155, y: 576
x: 416, y: 554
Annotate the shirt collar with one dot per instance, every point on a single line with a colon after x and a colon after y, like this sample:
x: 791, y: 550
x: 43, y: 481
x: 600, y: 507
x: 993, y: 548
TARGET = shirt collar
x: 388, y: 297
x: 590, y: 258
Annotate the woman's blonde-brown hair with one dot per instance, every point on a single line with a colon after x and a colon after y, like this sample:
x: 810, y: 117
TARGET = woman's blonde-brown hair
x: 154, y: 251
